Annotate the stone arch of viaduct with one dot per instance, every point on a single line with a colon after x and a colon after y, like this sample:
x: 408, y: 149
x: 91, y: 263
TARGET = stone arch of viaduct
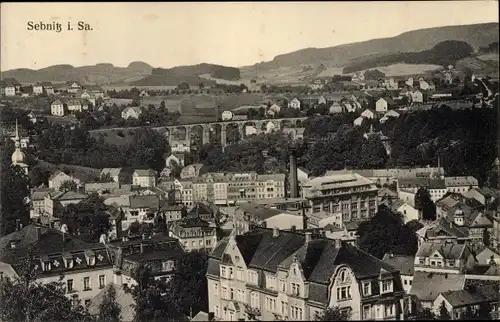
x: 278, y: 125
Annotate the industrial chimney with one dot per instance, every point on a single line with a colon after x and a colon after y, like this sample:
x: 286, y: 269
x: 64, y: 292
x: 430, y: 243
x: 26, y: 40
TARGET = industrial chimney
x: 294, y: 186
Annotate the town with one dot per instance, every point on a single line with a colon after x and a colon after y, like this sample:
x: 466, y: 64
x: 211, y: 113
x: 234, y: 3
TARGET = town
x: 355, y: 196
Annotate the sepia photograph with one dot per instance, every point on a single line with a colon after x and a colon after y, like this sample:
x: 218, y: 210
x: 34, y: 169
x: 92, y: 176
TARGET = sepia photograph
x: 249, y: 161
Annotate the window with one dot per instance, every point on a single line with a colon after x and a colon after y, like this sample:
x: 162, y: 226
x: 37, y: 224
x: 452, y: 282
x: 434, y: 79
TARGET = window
x: 422, y: 261
x: 386, y: 286
x: 231, y: 272
x: 284, y: 308
x: 224, y: 292
x: 366, y: 312
x: 216, y: 289
x: 389, y: 310
x: 193, y: 243
x: 451, y: 263
x: 296, y: 312
x: 282, y: 285
x: 405, y: 282
x: 410, y: 281
x: 86, y: 283
x: 295, y: 289
x: 254, y: 300
x: 344, y: 293
x: 239, y: 273
x: 271, y: 282
x: 270, y: 304
x: 231, y: 293
x: 223, y: 271
x: 200, y: 242
x: 69, y: 286
x: 102, y: 281
x: 433, y: 263
x: 367, y: 289
x: 216, y: 311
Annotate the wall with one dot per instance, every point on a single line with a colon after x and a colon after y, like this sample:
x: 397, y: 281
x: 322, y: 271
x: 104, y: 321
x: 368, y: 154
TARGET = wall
x: 285, y: 222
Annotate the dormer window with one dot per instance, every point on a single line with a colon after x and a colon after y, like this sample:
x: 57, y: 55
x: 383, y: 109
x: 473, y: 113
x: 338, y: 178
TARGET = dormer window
x: 68, y: 260
x: 90, y: 257
x: 386, y: 286
x: 367, y: 288
x: 46, y: 266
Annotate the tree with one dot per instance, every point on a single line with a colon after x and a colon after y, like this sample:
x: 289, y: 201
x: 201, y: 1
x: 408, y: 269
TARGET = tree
x: 424, y: 204
x: 188, y: 286
x: 333, y: 314
x: 25, y: 299
x: 68, y: 185
x: 443, y: 312
x: 484, y: 312
x: 109, y: 309
x: 386, y: 233
x: 425, y: 314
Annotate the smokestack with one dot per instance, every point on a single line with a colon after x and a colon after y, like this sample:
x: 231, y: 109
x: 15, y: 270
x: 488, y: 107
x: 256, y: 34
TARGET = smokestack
x: 38, y: 233
x: 294, y: 187
x: 276, y: 232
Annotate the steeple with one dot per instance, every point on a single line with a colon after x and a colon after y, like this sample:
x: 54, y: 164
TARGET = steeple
x: 18, y: 157
x: 17, y: 139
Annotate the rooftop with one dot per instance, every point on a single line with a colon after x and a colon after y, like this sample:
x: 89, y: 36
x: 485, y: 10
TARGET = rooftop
x: 446, y: 250
x: 400, y: 262
x: 338, y: 181
x: 427, y: 286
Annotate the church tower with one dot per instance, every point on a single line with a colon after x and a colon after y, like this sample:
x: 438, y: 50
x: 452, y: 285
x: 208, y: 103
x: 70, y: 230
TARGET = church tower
x: 18, y: 157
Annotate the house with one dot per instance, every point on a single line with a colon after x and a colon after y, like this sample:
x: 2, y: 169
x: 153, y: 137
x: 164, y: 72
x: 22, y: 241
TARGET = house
x: 488, y: 256
x: 57, y: 108
x: 33, y: 117
x: 460, y: 184
x: 180, y: 146
x: 404, y: 264
x: 398, y: 206
x: 144, y: 178
x: 37, y: 197
x: 485, y: 195
x: 194, y: 234
x: 275, y: 108
x: 131, y: 112
x: 55, y: 201
x: 390, y: 83
x: 74, y: 88
x: 59, y: 177
x: 444, y: 231
x: 172, y: 212
x: 177, y: 158
x: 317, y: 84
x: 10, y: 86
x: 336, y: 108
x: 38, y: 89
x: 369, y: 114
x: 409, y: 82
x: 95, y: 91
x: 384, y: 104
x: 305, y: 276
x: 416, y: 96
x: 48, y: 88
x: 119, y: 175
x: 392, y: 113
x: 83, y: 269
x: 359, y: 121
x: 89, y: 96
x: 144, y: 93
x: 295, y: 103
x: 303, y: 175
x: 227, y: 116
x: 407, y: 188
x: 425, y: 86
x: 321, y: 100
x: 193, y: 171
x: 122, y: 297
x: 74, y: 105
x: 350, y: 108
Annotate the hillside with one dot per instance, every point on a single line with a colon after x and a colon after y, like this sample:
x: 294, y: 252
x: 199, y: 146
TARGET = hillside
x: 445, y: 53
x: 188, y: 74
x: 96, y: 74
x: 477, y: 35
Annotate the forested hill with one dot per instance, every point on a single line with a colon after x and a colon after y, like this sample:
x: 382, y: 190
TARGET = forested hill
x: 445, y: 53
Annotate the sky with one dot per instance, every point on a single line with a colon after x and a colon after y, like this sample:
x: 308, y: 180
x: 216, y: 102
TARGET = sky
x: 231, y: 34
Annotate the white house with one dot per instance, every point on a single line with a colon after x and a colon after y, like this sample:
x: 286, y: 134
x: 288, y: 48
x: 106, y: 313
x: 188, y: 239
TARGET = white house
x: 131, y: 112
x: 321, y: 100
x: 227, y: 115
x: 417, y: 96
x: 349, y: 107
x: 58, y: 178
x: 398, y: 206
x: 369, y: 114
x: 335, y: 108
x: 359, y: 121
x: 381, y: 105
x: 249, y: 130
x: 392, y: 113
x: 74, y: 88
x: 409, y: 82
x: 426, y: 86
x: 144, y: 178
x: 295, y: 103
x: 275, y: 108
x: 270, y: 127
x: 74, y: 106
x: 57, y: 108
x: 37, y: 89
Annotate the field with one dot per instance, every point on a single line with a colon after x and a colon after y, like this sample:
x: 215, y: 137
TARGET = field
x: 493, y: 57
x: 121, y: 87
x: 407, y: 69
x: 80, y: 172
x: 284, y: 75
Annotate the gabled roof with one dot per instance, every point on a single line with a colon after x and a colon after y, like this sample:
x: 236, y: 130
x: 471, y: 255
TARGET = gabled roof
x: 463, y: 298
x: 144, y: 172
x: 427, y: 286
x: 136, y: 109
x: 258, y: 211
x: 446, y: 250
x: 404, y: 264
x: 113, y: 172
x: 144, y: 201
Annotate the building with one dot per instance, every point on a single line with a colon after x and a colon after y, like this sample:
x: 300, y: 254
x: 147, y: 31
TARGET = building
x: 178, y: 158
x: 416, y: 96
x: 404, y: 264
x: 407, y: 188
x: 119, y: 175
x: 48, y: 88
x: 336, y: 108
x: 56, y: 201
x: 38, y: 89
x: 131, y: 112
x: 37, y: 197
x: 57, y: 108
x: 384, y: 104
x: 398, y: 206
x: 485, y: 195
x: 459, y: 302
x: 359, y: 121
x: 172, y: 212
x: 390, y: 84
x: 369, y: 114
x: 423, y: 85
x: 194, y: 234
x: 295, y: 103
x: 193, y: 171
x: 18, y: 158
x: 84, y: 269
x: 248, y: 214
x: 10, y: 86
x: 74, y: 87
x: 267, y: 274
x: 349, y: 193
x: 460, y: 184
x: 144, y: 178
x: 59, y: 177
x: 227, y: 116
x: 180, y: 146
x: 444, y: 231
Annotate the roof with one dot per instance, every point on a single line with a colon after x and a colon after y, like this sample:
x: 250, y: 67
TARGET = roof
x: 336, y: 181
x: 269, y: 177
x: 258, y: 211
x: 51, y: 241
x: 427, y: 286
x: 443, y: 228
x: 113, y: 172
x: 136, y: 109
x: 460, y: 181
x: 447, y: 250
x: 144, y: 172
x: 422, y: 182
x: 123, y: 298
x: 55, y: 174
x: 144, y: 201
x: 463, y: 298
x: 40, y: 193
x: 402, y: 263
x: 68, y: 195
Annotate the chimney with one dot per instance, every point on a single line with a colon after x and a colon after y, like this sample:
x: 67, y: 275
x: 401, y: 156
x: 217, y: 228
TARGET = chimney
x: 338, y: 243
x: 211, y: 316
x: 308, y: 237
x: 294, y: 187
x: 117, y: 278
x: 38, y: 233
x: 276, y: 232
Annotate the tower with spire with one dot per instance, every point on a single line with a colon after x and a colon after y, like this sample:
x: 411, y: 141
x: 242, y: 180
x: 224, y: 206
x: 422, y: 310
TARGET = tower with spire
x: 18, y: 157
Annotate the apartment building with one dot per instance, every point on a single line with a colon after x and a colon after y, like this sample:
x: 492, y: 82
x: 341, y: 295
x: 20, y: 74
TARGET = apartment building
x: 194, y: 234
x: 83, y: 268
x: 267, y: 274
x: 227, y: 188
x: 348, y: 193
x: 144, y: 178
